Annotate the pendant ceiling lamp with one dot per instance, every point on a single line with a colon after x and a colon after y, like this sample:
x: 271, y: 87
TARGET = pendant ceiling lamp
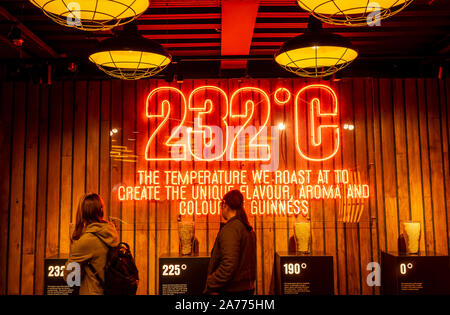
x: 353, y: 12
x: 129, y: 56
x: 92, y: 15
x: 316, y: 53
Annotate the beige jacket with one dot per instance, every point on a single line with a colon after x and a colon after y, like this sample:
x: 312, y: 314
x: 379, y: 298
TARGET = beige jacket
x: 90, y: 248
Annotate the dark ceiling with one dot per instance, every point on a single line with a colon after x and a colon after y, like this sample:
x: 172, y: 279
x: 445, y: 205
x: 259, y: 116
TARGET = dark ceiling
x: 414, y: 42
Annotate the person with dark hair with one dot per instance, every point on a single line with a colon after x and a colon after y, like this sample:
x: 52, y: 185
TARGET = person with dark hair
x: 90, y: 242
x: 232, y: 267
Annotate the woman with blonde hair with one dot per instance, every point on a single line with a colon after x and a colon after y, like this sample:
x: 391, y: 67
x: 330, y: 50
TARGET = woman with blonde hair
x: 90, y: 242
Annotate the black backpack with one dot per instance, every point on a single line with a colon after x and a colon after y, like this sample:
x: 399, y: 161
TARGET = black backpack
x: 121, y: 274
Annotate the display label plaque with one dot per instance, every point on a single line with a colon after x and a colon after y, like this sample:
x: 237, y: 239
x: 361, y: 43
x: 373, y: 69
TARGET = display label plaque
x: 415, y: 274
x: 304, y: 274
x: 54, y: 283
x: 180, y: 275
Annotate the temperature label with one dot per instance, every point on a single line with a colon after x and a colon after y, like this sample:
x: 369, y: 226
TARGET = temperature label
x: 55, y: 271
x: 404, y: 267
x: 173, y: 270
x: 293, y: 269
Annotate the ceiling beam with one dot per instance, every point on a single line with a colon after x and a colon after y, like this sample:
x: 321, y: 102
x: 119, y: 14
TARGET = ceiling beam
x: 45, y: 50
x: 238, y: 23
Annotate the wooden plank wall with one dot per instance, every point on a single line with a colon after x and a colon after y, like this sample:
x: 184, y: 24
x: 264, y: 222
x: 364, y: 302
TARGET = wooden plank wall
x: 55, y: 145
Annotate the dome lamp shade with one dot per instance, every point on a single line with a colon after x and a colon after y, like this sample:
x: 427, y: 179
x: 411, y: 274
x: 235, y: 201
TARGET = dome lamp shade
x: 129, y: 56
x: 92, y: 15
x: 353, y: 12
x: 316, y: 53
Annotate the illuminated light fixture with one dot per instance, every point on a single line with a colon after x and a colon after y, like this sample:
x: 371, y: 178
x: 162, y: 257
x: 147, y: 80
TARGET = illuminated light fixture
x: 316, y: 53
x: 353, y: 12
x: 16, y: 37
x: 129, y: 56
x: 281, y: 126
x: 92, y: 15
x: 113, y: 132
x: 349, y: 127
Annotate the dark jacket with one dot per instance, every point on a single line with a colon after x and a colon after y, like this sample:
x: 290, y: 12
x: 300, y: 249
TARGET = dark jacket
x: 232, y: 267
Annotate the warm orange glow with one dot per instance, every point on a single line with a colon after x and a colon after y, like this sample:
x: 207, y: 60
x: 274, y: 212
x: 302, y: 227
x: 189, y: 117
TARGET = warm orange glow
x: 282, y: 192
x: 163, y: 111
x: 314, y: 108
x: 129, y: 60
x: 249, y: 114
x: 351, y: 205
x: 341, y: 7
x: 258, y: 148
x: 201, y: 111
x: 92, y: 15
x: 279, y: 100
x: 353, y: 12
x: 316, y: 57
x: 129, y: 64
x: 197, y: 191
x: 316, y: 133
x: 138, y: 193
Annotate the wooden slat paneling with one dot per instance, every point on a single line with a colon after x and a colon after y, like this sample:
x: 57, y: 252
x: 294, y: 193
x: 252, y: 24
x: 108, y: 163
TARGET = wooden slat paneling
x: 56, y: 146
x: 67, y: 167
x: 53, y: 223
x: 16, y: 191
x: 128, y: 167
x: 142, y: 208
x: 362, y: 166
x: 41, y: 208
x: 414, y: 163
x: 30, y: 186
x: 428, y: 212
x: 6, y: 125
x: 436, y: 165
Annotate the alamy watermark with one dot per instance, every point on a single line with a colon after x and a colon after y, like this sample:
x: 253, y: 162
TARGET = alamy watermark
x: 373, y: 279
x: 232, y: 143
x: 74, y: 16
x: 73, y: 277
x: 374, y: 18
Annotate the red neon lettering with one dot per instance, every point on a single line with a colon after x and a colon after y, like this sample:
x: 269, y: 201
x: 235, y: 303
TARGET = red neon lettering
x: 198, y: 192
x: 320, y: 121
x: 314, y: 106
x: 278, y: 99
x: 161, y: 111
x: 201, y: 112
x: 256, y: 151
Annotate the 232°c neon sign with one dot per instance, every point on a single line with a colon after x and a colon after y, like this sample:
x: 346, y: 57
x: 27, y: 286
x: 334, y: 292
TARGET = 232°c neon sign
x: 209, y: 125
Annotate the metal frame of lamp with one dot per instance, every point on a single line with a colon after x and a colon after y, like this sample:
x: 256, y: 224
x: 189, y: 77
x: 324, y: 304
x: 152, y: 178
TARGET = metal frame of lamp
x: 316, y: 53
x: 353, y: 12
x: 130, y: 56
x: 92, y: 15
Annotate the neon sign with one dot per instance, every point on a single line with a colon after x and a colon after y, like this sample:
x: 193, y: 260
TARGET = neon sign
x: 315, y: 113
x: 235, y: 123
x: 208, y: 125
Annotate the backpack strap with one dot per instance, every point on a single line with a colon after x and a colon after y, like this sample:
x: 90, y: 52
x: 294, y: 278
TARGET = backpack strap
x: 89, y: 265
x: 95, y: 274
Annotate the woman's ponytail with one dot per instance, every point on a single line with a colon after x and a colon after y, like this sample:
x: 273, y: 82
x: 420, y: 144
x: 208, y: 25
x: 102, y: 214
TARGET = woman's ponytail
x: 235, y: 200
